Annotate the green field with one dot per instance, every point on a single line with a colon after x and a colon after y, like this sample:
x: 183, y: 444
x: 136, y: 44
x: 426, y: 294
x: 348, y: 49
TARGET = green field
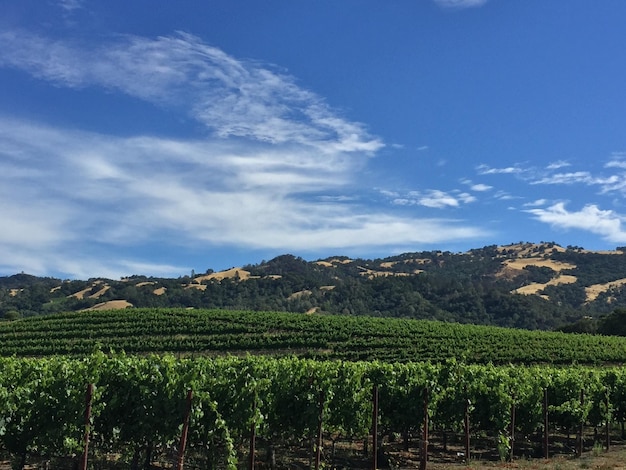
x: 213, y: 332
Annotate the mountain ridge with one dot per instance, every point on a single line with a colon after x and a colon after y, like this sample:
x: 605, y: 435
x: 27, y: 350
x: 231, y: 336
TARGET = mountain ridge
x: 523, y: 285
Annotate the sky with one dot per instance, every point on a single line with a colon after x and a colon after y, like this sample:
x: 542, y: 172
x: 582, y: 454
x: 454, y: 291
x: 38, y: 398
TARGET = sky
x: 157, y: 137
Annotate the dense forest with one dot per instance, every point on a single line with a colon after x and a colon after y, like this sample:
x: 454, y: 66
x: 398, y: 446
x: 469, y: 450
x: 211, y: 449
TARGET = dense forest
x: 524, y: 285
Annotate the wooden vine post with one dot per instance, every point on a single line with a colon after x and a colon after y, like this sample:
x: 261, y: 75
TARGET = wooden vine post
x: 580, y: 440
x: 320, y: 429
x: 184, y: 433
x: 88, y: 402
x: 424, y: 456
x: 546, y: 442
x: 466, y: 428
x: 252, y: 438
x: 608, y: 422
x: 512, y: 437
x: 375, y: 428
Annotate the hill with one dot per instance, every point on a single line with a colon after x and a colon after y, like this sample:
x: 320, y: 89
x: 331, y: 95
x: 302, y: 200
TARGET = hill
x: 523, y: 285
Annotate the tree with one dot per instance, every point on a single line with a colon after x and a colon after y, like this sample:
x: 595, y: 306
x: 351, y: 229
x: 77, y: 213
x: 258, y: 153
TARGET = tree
x: 613, y: 324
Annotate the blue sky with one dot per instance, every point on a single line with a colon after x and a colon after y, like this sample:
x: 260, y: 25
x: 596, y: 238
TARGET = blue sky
x: 156, y: 137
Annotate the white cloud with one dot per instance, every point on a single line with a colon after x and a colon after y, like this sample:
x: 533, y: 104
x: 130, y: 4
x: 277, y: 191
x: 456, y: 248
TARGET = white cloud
x: 388, y: 193
x: 618, y: 162
x: 121, y: 192
x: 459, y: 4
x: 232, y: 97
x: 267, y: 177
x: 487, y: 170
x: 432, y: 198
x: 558, y: 164
x: 537, y: 202
x: 466, y: 198
x: 613, y: 184
x: 606, y: 184
x: 31, y: 226
x: 437, y: 199
x: 591, y: 218
x: 504, y: 196
x: 567, y: 178
x: 478, y: 187
x: 551, y: 176
x: 71, y: 5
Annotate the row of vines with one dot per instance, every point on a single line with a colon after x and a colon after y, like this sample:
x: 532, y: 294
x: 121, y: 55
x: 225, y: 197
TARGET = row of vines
x: 139, y: 402
x: 314, y: 336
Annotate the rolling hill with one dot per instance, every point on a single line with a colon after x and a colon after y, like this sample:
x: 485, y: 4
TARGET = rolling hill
x: 522, y: 285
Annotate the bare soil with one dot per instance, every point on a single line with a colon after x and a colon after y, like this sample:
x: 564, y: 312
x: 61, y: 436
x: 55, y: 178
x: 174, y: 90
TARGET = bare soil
x: 613, y: 459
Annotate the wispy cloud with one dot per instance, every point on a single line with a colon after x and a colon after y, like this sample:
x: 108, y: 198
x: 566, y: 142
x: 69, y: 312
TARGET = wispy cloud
x: 124, y: 192
x: 606, y: 184
x: 606, y: 223
x: 590, y: 218
x: 232, y: 97
x: 437, y: 199
x: 577, y: 177
x: 71, y: 5
x: 487, y: 170
x: 273, y: 173
x: 537, y: 202
x: 460, y: 4
x: 432, y: 198
x: 557, y: 165
x: 480, y: 187
x: 504, y: 196
x: 618, y: 160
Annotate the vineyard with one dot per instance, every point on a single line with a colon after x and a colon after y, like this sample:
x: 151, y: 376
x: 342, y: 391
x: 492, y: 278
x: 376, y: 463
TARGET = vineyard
x: 253, y: 411
x: 218, y: 389
x: 214, y: 332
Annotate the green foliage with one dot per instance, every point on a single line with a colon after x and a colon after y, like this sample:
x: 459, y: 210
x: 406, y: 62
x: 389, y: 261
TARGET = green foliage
x: 539, y: 274
x: 586, y: 325
x: 613, y: 324
x: 593, y: 268
x: 139, y: 402
x: 210, y: 332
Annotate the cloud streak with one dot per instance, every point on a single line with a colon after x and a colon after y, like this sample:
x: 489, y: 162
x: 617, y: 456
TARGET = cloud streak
x: 232, y: 97
x: 127, y: 191
x: 431, y: 198
x: 460, y: 4
x: 487, y: 170
x: 272, y: 174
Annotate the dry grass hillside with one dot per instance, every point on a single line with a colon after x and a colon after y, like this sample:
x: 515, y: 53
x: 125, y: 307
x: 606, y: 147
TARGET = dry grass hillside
x: 110, y: 305
x: 533, y: 254
x: 96, y: 295
x: 595, y: 290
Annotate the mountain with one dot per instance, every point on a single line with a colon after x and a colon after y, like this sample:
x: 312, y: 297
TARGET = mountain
x: 523, y: 285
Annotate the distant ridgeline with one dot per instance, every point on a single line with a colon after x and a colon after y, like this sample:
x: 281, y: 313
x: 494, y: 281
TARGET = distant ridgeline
x: 523, y: 285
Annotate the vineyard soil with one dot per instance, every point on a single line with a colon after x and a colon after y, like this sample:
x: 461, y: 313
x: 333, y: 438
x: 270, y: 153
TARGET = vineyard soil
x: 615, y: 459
